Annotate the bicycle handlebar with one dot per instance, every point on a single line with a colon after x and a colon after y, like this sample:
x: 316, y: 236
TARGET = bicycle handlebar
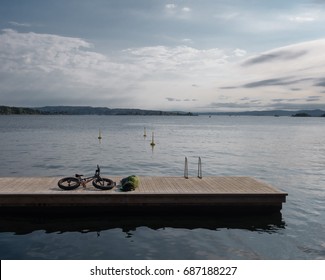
x: 97, y: 172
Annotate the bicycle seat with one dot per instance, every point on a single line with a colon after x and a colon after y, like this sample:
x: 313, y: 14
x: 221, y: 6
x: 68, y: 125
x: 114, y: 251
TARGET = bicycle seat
x: 78, y: 175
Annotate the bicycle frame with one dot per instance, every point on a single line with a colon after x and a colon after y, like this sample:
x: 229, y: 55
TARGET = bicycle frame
x: 84, y: 181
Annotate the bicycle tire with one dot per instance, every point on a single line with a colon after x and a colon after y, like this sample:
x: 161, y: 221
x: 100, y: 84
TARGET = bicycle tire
x: 103, y: 183
x: 69, y: 183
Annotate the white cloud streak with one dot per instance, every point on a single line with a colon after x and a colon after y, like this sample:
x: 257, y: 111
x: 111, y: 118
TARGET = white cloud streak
x: 19, y: 24
x: 302, y: 18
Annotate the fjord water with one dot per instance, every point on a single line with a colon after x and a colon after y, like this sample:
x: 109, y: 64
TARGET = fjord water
x: 288, y: 153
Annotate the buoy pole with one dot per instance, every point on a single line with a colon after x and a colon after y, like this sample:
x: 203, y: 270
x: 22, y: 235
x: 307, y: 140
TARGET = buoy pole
x: 99, y: 135
x: 145, y: 133
x: 152, y: 140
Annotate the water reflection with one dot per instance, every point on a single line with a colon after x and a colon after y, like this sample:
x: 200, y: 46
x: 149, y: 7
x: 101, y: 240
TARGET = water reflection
x: 85, y: 223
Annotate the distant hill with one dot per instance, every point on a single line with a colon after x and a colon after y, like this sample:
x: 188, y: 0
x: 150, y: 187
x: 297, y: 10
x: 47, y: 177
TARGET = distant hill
x: 87, y: 110
x: 278, y: 113
x: 5, y: 110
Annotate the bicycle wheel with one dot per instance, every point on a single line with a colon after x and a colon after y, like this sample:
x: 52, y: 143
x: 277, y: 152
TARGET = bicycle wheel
x: 103, y: 183
x: 69, y: 183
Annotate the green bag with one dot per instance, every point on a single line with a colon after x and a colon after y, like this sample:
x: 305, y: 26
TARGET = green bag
x: 129, y: 183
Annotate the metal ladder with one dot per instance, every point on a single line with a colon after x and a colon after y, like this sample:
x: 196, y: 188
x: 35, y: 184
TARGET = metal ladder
x: 199, y: 168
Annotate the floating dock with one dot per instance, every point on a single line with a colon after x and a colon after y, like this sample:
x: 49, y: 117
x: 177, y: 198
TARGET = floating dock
x: 165, y: 194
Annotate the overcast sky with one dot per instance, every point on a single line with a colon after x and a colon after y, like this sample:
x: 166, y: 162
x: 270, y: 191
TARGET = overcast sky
x: 207, y: 55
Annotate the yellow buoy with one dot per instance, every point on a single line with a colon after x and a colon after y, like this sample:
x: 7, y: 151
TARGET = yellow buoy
x: 152, y: 140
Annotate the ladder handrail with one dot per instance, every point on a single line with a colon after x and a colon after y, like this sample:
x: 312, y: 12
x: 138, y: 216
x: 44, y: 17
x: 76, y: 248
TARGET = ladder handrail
x: 199, y: 168
x: 186, y: 169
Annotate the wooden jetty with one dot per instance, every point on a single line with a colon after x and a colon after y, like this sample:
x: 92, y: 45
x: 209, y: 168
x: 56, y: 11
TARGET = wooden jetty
x: 166, y: 194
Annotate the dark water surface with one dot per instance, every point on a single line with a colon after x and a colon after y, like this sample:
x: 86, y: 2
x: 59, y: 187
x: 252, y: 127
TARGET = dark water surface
x: 288, y: 153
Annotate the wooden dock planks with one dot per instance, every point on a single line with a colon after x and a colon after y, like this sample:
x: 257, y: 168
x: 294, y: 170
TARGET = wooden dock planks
x: 153, y: 193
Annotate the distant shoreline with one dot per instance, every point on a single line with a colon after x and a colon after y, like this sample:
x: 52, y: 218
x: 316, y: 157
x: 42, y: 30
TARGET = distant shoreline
x: 88, y: 110
x: 272, y: 113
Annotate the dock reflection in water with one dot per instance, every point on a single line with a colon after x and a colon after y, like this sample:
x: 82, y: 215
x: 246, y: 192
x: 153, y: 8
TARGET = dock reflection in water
x: 25, y: 224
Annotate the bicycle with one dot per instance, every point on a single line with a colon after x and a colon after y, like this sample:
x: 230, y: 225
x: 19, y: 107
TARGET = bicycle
x: 71, y: 183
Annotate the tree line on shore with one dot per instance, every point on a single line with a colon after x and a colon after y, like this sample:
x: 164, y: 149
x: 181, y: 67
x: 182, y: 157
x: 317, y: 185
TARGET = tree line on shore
x: 86, y: 110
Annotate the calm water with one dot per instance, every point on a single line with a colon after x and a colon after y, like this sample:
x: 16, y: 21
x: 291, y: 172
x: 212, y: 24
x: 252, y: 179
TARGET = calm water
x: 288, y: 153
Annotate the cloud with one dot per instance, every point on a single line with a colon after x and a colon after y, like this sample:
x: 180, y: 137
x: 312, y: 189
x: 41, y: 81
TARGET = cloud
x: 291, y: 75
x: 295, y: 106
x: 274, y: 22
x: 228, y: 87
x: 261, y: 106
x: 227, y: 16
x: 45, y: 69
x: 31, y: 51
x: 171, y: 99
x: 305, y: 15
x: 278, y: 100
x: 275, y: 82
x: 178, y: 12
x: 268, y: 82
x: 295, y: 89
x: 233, y: 106
x: 19, y: 24
x: 302, y: 18
x: 320, y: 82
x: 186, y: 9
x: 274, y: 56
x: 170, y: 6
x: 52, y: 70
x: 180, y: 61
x: 240, y: 52
x: 49, y: 67
x: 187, y: 41
x: 313, y: 98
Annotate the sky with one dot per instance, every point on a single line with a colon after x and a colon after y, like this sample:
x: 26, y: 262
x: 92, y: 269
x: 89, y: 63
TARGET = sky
x: 189, y: 55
